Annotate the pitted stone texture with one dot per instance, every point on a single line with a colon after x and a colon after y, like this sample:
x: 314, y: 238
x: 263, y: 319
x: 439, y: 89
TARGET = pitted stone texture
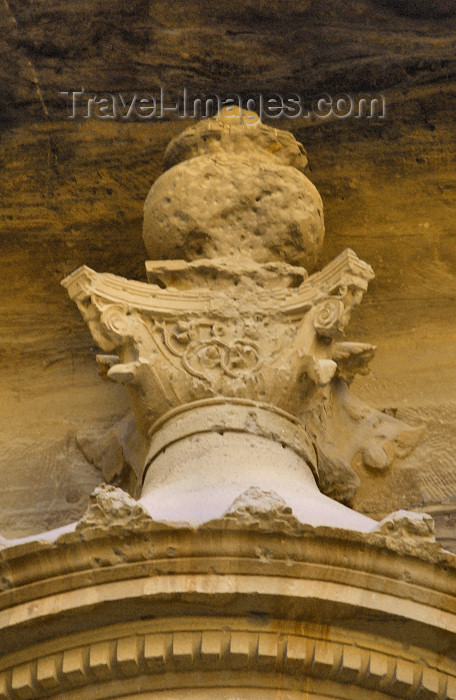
x: 264, y: 510
x: 255, y: 501
x: 230, y: 132
x: 236, y: 195
x: 111, y: 507
x: 407, y: 524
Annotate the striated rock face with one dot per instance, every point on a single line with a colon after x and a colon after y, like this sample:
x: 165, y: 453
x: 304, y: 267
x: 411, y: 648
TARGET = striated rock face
x: 308, y: 45
x: 69, y: 187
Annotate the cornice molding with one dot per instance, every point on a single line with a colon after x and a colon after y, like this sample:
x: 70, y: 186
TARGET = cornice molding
x: 202, y: 652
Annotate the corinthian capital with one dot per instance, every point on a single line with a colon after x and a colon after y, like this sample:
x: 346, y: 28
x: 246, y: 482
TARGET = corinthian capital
x: 230, y: 336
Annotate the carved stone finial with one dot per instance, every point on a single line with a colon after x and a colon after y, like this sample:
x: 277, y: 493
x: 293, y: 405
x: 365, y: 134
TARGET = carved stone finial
x: 232, y: 355
x: 234, y: 187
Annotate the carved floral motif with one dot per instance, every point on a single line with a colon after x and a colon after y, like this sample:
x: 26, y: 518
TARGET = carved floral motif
x: 233, y: 357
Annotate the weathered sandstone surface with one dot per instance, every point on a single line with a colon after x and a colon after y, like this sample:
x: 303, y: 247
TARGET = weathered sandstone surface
x: 73, y: 193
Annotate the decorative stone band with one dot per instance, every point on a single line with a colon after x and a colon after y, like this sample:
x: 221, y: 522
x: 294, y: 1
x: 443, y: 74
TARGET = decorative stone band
x: 125, y: 607
x: 345, y: 275
x: 198, y: 657
x: 222, y: 415
x: 217, y: 273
